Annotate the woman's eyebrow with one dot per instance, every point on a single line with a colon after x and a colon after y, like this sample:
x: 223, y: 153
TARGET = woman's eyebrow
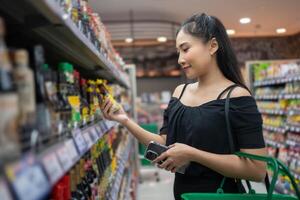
x: 182, y: 44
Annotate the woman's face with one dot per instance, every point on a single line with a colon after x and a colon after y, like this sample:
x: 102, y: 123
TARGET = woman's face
x: 194, y: 55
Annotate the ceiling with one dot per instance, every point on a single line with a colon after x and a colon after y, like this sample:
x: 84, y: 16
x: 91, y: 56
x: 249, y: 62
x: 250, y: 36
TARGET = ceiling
x: 266, y: 15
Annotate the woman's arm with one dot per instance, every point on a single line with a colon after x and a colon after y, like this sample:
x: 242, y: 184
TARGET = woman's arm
x: 141, y: 134
x: 232, y: 165
x: 228, y: 165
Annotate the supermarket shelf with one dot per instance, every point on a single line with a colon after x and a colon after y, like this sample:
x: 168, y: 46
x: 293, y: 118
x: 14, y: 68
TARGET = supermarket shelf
x: 292, y: 143
x: 273, y: 112
x: 294, y: 112
x: 277, y: 97
x: 293, y: 128
x: 268, y: 97
x: 281, y: 190
x: 274, y: 143
x: 40, y: 172
x: 59, y: 31
x: 122, y: 162
x: 276, y: 81
x: 275, y: 129
x: 295, y: 174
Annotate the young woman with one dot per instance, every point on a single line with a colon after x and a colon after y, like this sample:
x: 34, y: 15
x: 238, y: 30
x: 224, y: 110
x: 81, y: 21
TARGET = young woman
x: 194, y: 123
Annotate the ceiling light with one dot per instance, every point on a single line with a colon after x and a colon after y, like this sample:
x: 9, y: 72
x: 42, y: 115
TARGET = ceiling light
x: 230, y: 31
x: 245, y: 20
x: 280, y: 30
x: 162, y: 39
x: 128, y: 40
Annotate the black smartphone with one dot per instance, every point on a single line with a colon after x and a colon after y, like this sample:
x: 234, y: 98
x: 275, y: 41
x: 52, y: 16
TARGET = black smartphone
x: 155, y: 149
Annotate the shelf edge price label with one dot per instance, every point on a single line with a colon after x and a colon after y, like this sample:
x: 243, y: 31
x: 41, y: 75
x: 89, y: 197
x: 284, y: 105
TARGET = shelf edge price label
x: 64, y: 157
x: 94, y: 135
x: 73, y: 154
x: 52, y: 167
x: 99, y: 131
x: 79, y: 141
x: 88, y: 139
x: 28, y: 179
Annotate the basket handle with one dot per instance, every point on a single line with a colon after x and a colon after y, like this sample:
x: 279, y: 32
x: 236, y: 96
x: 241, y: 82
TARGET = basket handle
x: 276, y: 166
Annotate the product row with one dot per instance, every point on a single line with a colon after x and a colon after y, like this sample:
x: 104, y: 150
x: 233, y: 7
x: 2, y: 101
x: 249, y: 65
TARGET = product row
x: 96, y: 175
x: 90, y: 24
x: 42, y: 102
x: 290, y: 88
x: 286, y: 148
x: 275, y: 69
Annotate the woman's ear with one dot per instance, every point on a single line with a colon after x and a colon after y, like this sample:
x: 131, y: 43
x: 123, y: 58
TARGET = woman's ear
x: 214, y: 46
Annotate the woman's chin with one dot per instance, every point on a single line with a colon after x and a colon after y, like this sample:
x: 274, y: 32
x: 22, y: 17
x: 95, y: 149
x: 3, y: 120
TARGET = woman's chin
x: 190, y: 76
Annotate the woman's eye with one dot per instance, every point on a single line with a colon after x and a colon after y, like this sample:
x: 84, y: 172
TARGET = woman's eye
x: 185, y: 50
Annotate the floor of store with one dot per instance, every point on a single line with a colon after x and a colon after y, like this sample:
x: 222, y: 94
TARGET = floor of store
x: 150, y: 189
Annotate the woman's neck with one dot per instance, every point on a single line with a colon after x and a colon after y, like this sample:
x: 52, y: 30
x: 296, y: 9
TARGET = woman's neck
x: 212, y: 77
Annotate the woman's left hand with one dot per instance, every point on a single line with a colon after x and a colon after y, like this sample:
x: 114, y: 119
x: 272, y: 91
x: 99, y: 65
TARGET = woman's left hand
x: 177, y: 156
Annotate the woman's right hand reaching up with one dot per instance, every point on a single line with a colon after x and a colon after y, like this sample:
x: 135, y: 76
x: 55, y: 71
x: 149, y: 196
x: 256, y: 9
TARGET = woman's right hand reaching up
x: 119, y: 116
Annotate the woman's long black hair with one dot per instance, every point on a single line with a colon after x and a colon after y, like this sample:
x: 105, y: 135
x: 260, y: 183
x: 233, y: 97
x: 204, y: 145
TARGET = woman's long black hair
x: 206, y: 27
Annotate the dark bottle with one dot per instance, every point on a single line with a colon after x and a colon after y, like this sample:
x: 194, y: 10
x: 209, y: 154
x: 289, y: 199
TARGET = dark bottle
x: 75, y: 195
x: 43, y: 119
x: 80, y: 186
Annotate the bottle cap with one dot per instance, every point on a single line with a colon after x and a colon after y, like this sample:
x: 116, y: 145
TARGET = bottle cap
x: 21, y: 57
x: 65, y: 67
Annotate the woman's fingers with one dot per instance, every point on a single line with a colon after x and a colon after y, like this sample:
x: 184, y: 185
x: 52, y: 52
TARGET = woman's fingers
x: 174, y: 170
x: 167, y: 163
x: 107, y: 107
x: 170, y: 167
x: 161, y: 158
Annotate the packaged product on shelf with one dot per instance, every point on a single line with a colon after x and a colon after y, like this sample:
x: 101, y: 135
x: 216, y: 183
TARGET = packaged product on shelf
x: 24, y: 79
x: 65, y: 79
x: 43, y: 116
x: 106, y: 91
x: 93, y: 100
x: 9, y: 139
x: 276, y: 69
x: 275, y: 121
x: 84, y: 107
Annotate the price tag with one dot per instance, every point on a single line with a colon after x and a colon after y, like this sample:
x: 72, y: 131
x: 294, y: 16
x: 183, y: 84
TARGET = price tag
x: 27, y: 179
x: 72, y: 150
x: 79, y: 141
x: 64, y: 157
x: 52, y: 167
x: 99, y: 131
x: 88, y: 139
x: 4, y: 192
x: 103, y: 126
x: 94, y: 135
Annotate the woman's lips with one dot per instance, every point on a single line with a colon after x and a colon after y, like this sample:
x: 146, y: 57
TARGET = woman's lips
x: 186, y: 68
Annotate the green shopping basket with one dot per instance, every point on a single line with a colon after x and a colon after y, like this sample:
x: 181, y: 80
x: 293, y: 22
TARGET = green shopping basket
x: 275, y: 165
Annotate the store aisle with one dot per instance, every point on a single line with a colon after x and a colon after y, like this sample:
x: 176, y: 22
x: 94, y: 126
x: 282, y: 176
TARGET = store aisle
x: 149, y: 189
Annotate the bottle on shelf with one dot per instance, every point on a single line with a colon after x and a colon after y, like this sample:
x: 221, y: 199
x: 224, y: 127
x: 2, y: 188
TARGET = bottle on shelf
x: 24, y: 79
x: 84, y: 106
x: 9, y: 139
x: 106, y: 91
x: 43, y: 116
